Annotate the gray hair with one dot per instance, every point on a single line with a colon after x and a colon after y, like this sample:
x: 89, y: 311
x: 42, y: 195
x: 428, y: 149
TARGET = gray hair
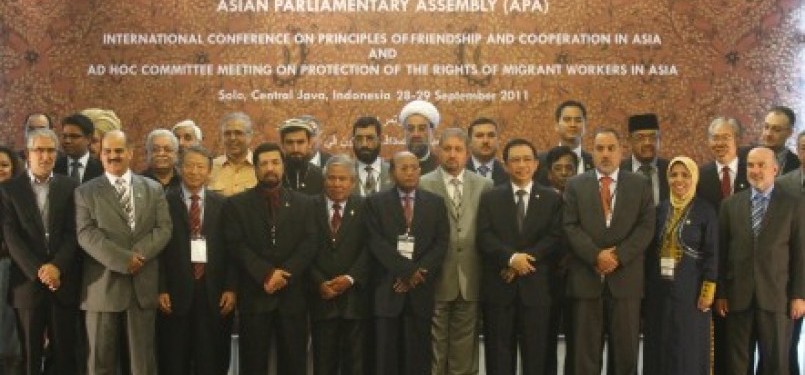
x: 198, y: 150
x: 454, y: 132
x: 342, y: 160
x: 188, y: 124
x: 240, y: 116
x: 737, y: 129
x: 41, y: 133
x: 149, y: 141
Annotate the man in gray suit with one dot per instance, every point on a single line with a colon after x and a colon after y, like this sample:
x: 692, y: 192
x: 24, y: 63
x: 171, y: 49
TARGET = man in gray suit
x: 455, y: 319
x: 373, y: 171
x: 609, y: 222
x: 123, y: 224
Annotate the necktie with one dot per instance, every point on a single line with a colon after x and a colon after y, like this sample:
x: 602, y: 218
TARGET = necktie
x: 335, y: 221
x: 759, y: 204
x: 520, y: 208
x: 483, y: 170
x: 369, y: 185
x: 75, y: 167
x: 606, y: 196
x: 195, y: 231
x: 726, y: 185
x: 124, y: 197
x: 408, y: 210
x: 456, y: 193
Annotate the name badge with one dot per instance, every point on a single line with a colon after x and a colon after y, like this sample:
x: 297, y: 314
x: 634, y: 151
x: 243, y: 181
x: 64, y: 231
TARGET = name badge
x: 198, y: 250
x: 667, y: 268
x: 405, y: 246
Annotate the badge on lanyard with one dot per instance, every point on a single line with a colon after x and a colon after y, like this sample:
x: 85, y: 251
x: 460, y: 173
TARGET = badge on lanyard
x: 405, y: 246
x: 667, y: 266
x: 198, y: 250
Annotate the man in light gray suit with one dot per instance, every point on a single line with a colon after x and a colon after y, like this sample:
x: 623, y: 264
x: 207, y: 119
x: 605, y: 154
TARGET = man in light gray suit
x: 373, y: 171
x: 123, y: 224
x: 609, y: 222
x: 455, y: 320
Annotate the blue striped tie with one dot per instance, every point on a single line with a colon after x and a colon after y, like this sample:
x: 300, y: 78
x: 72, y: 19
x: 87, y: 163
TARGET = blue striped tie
x: 759, y: 204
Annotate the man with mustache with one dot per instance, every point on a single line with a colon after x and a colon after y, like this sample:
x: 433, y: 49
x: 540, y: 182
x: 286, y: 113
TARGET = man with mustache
x: 161, y: 153
x: 76, y: 162
x: 778, y: 125
x: 271, y: 233
x: 373, y: 171
x: 571, y: 122
x: 484, y: 140
x: 300, y: 175
x: 233, y: 172
x: 644, y: 140
x: 418, y: 119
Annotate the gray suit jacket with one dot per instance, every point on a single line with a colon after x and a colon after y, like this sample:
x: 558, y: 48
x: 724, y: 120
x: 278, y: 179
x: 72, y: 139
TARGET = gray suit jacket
x: 791, y: 182
x: 631, y: 231
x: 461, y: 253
x: 385, y: 179
x: 103, y: 232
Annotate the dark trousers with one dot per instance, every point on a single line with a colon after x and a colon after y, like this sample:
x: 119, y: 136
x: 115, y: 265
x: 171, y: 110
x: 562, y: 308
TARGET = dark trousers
x: 197, y: 342
x: 793, y: 355
x: 403, y: 345
x: 256, y: 332
x: 338, y: 346
x: 59, y: 324
x: 772, y: 331
x: 591, y: 320
x: 505, y: 327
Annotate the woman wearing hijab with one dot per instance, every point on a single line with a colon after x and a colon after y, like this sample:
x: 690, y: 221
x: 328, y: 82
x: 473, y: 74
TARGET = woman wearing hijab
x: 681, y: 268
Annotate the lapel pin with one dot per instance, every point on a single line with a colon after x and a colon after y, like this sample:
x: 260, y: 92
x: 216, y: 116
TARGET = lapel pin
x: 536, y: 196
x: 287, y: 204
x: 351, y: 212
x: 687, y: 222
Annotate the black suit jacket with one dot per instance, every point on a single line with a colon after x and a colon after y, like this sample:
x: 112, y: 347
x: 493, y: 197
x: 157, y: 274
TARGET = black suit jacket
x: 768, y: 270
x: 499, y: 174
x: 258, y: 249
x: 24, y: 234
x: 93, y: 169
x: 311, y: 180
x: 385, y: 221
x: 662, y: 175
x: 791, y: 162
x: 709, y: 187
x: 344, y: 253
x: 175, y: 268
x: 498, y: 239
x: 429, y: 164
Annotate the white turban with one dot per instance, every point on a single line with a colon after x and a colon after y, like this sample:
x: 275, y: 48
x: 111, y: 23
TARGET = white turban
x: 420, y: 107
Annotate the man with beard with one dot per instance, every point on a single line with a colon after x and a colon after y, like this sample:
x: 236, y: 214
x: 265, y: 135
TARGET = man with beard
x: 418, y: 119
x: 76, y: 161
x: 233, y: 171
x: 162, y: 151
x: 778, y: 125
x: 272, y: 235
x: 300, y: 175
x: 373, y: 172
x: 484, y: 148
x: 644, y: 140
x: 188, y: 134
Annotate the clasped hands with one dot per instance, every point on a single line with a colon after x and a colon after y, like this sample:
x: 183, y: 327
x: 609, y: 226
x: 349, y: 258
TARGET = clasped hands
x: 403, y: 285
x: 334, y: 287
x: 607, y: 261
x: 520, y: 264
x: 136, y: 263
x: 277, y: 280
x: 50, y: 276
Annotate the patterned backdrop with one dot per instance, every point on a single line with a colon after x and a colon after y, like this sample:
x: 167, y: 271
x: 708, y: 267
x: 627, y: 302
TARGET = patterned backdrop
x: 734, y: 57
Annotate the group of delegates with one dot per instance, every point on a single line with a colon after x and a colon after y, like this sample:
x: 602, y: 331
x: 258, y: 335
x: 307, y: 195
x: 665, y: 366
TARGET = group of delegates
x: 401, y: 266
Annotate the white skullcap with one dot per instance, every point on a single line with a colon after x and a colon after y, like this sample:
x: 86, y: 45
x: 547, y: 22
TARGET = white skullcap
x: 420, y: 107
x: 188, y: 123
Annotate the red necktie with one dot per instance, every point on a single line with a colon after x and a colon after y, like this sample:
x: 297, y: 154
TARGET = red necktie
x: 408, y: 210
x: 195, y: 231
x: 726, y: 186
x: 606, y: 196
x: 335, y: 221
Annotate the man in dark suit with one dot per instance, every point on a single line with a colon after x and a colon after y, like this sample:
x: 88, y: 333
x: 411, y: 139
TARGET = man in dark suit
x: 123, y: 224
x: 644, y: 141
x: 372, y: 171
x: 794, y: 183
x: 778, y: 125
x: 408, y: 234
x: 299, y: 175
x: 161, y: 153
x: 484, y: 140
x: 76, y: 162
x: 571, y: 122
x: 761, y: 285
x: 271, y: 232
x: 197, y: 278
x: 519, y: 227
x: 39, y: 230
x: 339, y: 305
x: 609, y: 222
x: 317, y: 156
x: 419, y: 118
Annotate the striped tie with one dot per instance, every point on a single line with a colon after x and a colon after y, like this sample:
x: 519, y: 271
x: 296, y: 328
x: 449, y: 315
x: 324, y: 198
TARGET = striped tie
x: 759, y: 204
x: 124, y: 196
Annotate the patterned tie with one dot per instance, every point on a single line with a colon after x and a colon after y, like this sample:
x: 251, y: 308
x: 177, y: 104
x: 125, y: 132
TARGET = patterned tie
x: 335, y: 221
x: 726, y: 185
x: 759, y: 205
x: 75, y: 167
x: 124, y: 197
x: 520, y: 208
x: 195, y: 231
x: 369, y: 185
x: 456, y: 193
x: 606, y: 196
x: 483, y: 170
x: 408, y: 210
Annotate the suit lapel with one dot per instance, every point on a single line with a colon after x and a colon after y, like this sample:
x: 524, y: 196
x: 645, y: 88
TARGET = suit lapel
x: 108, y: 192
x: 347, y: 214
x: 138, y: 190
x: 24, y: 185
x: 772, y: 210
x: 286, y: 205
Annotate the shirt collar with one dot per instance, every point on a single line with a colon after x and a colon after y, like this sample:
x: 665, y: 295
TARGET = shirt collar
x: 35, y: 180
x: 527, y: 188
x: 477, y: 163
x: 733, y: 165
x: 449, y: 177
x: 113, y: 179
x: 376, y: 165
x: 767, y: 194
x: 402, y: 194
x: 83, y: 159
x: 248, y: 159
x: 637, y: 163
x: 186, y: 193
x: 613, y: 176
